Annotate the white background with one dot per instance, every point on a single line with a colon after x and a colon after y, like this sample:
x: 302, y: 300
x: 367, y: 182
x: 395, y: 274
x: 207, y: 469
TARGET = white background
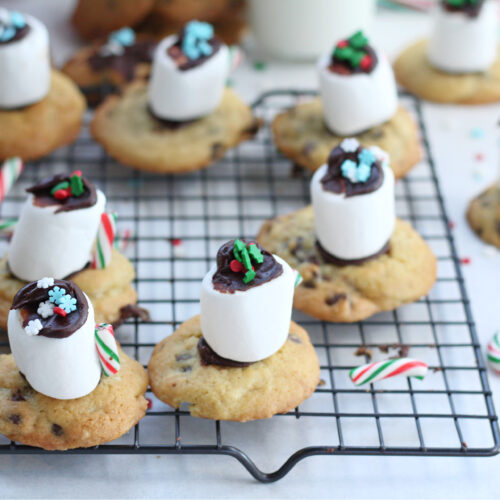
x: 461, y: 176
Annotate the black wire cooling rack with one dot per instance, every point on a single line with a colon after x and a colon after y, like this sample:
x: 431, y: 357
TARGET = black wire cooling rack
x: 177, y: 224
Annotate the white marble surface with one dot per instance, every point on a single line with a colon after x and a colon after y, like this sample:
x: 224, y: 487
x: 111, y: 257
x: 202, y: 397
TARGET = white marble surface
x: 319, y: 477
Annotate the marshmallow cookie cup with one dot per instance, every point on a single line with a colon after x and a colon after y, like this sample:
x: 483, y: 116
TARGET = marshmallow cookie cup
x: 40, y: 109
x: 460, y: 63
x: 242, y: 358
x: 356, y: 258
x: 67, y: 384
x: 108, y: 65
x: 358, y: 97
x: 184, y: 118
x: 63, y: 230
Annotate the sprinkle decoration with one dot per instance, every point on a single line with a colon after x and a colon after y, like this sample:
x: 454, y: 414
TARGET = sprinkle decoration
x: 10, y: 171
x: 103, y: 248
x: 7, y: 226
x: 235, y: 57
x: 353, y: 51
x: 244, y: 254
x: 56, y: 294
x: 45, y: 283
x: 10, y: 22
x: 60, y: 311
x: 298, y: 278
x: 195, y: 40
x: 379, y: 370
x: 107, y: 349
x: 493, y: 353
x: 33, y: 327
x: 45, y: 309
x: 360, y: 170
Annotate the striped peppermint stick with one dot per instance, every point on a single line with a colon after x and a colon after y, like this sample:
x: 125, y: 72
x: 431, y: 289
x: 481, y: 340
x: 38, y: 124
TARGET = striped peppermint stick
x: 298, y: 278
x: 494, y: 353
x: 106, y: 349
x: 9, y: 173
x: 7, y: 226
x: 103, y: 248
x: 388, y: 368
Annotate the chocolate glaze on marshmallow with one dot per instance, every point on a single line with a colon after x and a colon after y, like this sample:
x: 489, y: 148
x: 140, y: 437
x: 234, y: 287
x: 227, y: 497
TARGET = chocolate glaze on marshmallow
x: 56, y: 229
x: 245, y: 312
x: 357, y: 84
x: 189, y: 74
x: 51, y: 335
x: 464, y: 37
x: 353, y: 200
x: 24, y: 60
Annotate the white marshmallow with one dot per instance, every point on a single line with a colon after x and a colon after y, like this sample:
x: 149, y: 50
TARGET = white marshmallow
x: 25, y: 67
x: 186, y: 95
x: 354, y: 103
x: 249, y: 325
x: 48, y: 244
x: 353, y: 227
x: 64, y: 368
x: 460, y: 43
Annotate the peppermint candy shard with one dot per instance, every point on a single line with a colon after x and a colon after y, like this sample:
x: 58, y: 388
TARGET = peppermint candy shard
x: 388, y: 368
x: 107, y: 349
x: 493, y: 353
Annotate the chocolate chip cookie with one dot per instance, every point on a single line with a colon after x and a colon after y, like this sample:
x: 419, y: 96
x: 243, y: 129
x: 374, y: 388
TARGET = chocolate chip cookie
x: 274, y: 385
x: 483, y: 215
x: 108, y: 412
x: 415, y: 73
x: 131, y: 134
x: 353, y: 292
x: 301, y: 134
x: 35, y: 131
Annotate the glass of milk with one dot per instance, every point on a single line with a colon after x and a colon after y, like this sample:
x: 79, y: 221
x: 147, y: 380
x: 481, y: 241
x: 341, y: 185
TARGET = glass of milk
x: 303, y: 29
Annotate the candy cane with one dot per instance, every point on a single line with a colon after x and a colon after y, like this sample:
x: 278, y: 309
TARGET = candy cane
x: 388, y: 368
x: 235, y: 57
x: 493, y: 353
x: 106, y: 349
x: 9, y: 173
x: 6, y: 226
x: 297, y: 278
x: 103, y: 249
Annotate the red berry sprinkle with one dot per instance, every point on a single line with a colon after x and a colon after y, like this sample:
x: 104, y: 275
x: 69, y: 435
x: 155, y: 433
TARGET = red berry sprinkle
x: 465, y: 260
x: 77, y: 172
x: 343, y: 43
x: 150, y: 403
x: 62, y: 194
x: 366, y: 62
x: 60, y: 311
x: 236, y: 266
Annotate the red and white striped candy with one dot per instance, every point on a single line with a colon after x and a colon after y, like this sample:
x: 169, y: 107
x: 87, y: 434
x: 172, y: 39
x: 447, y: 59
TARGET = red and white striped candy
x: 107, y: 349
x: 494, y: 353
x: 9, y: 173
x: 388, y: 368
x: 103, y: 248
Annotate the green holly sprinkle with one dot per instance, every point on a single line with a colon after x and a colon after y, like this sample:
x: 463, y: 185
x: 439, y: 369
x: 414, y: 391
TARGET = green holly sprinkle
x: 77, y: 188
x: 249, y: 276
x: 255, y: 253
x: 358, y: 40
x: 57, y: 187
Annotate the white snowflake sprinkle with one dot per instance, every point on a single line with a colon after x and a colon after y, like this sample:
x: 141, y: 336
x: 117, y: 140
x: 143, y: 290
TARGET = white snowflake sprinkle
x: 45, y: 309
x: 45, y: 283
x: 380, y: 154
x: 349, y: 145
x: 33, y: 327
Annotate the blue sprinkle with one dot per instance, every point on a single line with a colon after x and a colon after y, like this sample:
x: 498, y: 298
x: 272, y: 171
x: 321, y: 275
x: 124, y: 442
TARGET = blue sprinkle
x: 7, y: 34
x: 348, y: 169
x: 205, y: 48
x: 192, y: 52
x: 366, y: 156
x: 477, y: 133
x: 67, y: 303
x: 124, y: 37
x: 195, y: 39
x: 56, y: 294
x: 363, y: 172
x: 203, y: 31
x: 17, y: 19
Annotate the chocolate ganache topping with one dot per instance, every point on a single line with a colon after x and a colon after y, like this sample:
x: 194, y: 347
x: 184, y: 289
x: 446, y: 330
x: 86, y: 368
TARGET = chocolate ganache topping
x: 471, y: 8
x: 209, y: 357
x: 352, y: 170
x: 196, y: 43
x: 60, y: 308
x: 243, y: 264
x: 13, y: 26
x: 122, y: 53
x: 70, y: 192
x: 353, y: 55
